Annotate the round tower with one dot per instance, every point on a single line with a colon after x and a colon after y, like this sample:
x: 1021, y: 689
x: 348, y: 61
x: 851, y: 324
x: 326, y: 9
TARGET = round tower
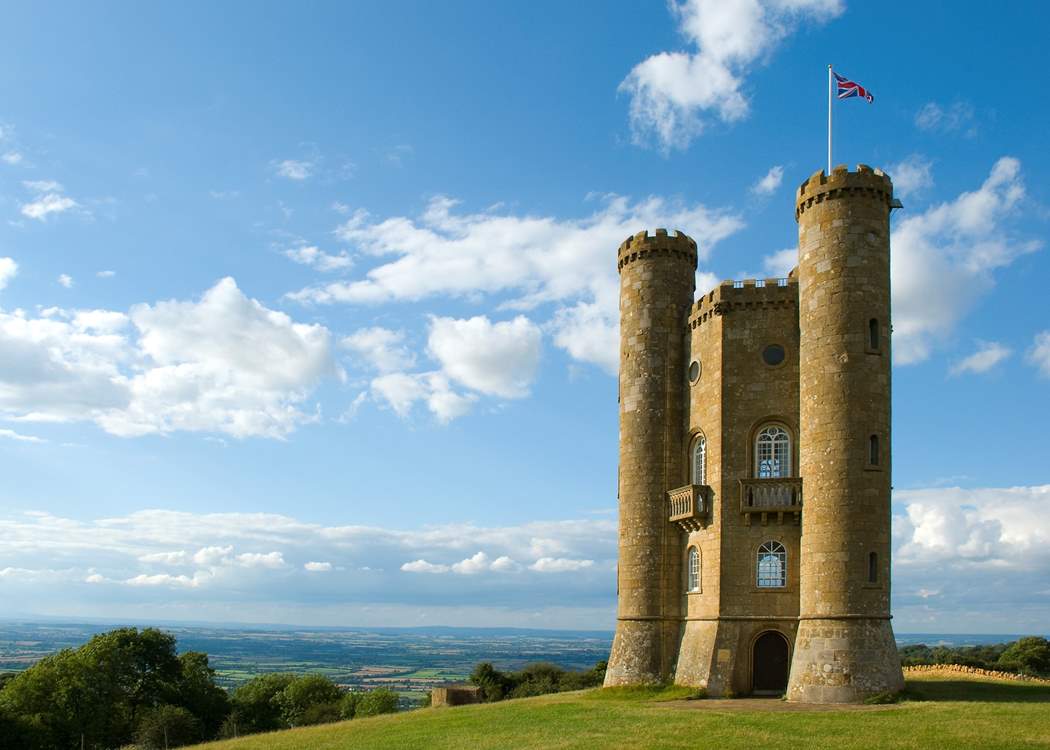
x: 657, y: 278
x: 844, y: 650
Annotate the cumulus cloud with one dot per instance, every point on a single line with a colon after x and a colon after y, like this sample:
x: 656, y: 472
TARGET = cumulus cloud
x: 944, y: 259
x: 105, y: 274
x: 65, y: 280
x: 224, y: 363
x: 49, y: 198
x: 560, y: 565
x: 316, y: 258
x: 768, y: 184
x: 8, y: 270
x: 957, y: 117
x: 381, y: 348
x: 780, y: 263
x: 400, y: 391
x: 911, y: 176
x: 987, y: 356
x: 536, y: 260
x: 498, y: 359
x: 422, y: 566
x: 1039, y: 354
x: 675, y: 95
x: 294, y: 169
x: 318, y: 567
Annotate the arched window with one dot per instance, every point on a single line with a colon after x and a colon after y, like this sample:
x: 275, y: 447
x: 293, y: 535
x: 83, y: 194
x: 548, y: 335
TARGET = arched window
x: 773, y: 453
x: 772, y: 565
x: 873, y: 567
x: 873, y: 450
x: 873, y: 333
x: 699, y: 463
x: 694, y: 569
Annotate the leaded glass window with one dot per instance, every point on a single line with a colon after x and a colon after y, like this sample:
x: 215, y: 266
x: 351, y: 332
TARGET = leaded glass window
x: 700, y: 460
x: 773, y: 453
x: 772, y: 565
x: 694, y: 569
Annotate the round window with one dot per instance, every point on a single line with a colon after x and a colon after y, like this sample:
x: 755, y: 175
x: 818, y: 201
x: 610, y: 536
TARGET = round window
x: 694, y: 371
x: 773, y: 355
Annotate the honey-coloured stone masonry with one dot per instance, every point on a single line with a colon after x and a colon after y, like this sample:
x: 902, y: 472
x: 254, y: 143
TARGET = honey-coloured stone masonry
x: 770, y: 400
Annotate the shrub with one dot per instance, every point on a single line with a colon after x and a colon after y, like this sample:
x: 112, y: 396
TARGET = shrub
x: 1029, y: 656
x: 167, y: 726
x: 375, y: 702
x: 306, y: 693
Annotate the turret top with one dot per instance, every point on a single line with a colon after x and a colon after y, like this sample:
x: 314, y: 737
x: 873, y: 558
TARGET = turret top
x: 660, y: 243
x: 866, y: 181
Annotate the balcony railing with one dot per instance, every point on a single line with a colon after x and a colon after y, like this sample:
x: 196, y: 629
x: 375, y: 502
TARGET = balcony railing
x: 689, y: 506
x: 766, y: 496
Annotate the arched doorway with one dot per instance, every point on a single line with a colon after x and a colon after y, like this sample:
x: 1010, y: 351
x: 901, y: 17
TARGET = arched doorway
x: 769, y: 664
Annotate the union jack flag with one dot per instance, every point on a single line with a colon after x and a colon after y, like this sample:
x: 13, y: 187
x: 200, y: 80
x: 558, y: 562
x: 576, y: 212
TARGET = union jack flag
x: 848, y: 88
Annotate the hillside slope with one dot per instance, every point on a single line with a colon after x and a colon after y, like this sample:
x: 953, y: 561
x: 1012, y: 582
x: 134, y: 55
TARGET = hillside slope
x: 944, y: 713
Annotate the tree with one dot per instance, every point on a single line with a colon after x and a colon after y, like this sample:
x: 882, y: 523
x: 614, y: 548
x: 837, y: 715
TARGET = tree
x: 254, y: 705
x: 348, y: 705
x: 375, y: 702
x: 1029, y: 655
x: 197, y: 692
x: 167, y: 726
x: 306, y: 693
x: 493, y: 683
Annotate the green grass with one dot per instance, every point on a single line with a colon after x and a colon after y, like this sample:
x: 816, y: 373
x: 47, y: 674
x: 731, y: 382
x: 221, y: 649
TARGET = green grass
x: 937, y: 713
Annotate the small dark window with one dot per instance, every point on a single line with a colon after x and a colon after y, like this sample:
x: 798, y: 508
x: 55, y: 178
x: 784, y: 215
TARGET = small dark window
x: 694, y: 371
x: 873, y: 333
x: 773, y: 355
x: 873, y: 567
x: 873, y: 450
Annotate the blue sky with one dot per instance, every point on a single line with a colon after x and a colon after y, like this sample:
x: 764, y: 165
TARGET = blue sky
x: 310, y: 317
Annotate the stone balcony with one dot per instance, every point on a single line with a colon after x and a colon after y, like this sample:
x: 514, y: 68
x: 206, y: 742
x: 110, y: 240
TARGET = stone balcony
x: 771, y: 499
x: 689, y: 506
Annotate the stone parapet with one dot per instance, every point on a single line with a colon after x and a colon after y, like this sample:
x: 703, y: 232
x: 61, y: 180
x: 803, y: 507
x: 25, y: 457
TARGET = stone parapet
x: 678, y: 246
x: 865, y: 183
x: 741, y: 296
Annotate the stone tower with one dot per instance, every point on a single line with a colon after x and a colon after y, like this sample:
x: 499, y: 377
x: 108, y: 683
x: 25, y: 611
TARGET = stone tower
x: 656, y: 291
x: 844, y: 648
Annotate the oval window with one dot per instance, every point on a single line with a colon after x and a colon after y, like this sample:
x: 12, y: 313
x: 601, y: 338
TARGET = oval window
x: 773, y: 355
x: 694, y: 371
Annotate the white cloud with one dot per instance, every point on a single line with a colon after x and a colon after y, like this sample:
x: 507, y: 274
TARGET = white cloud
x: 49, y: 203
x: 402, y: 390
x: 8, y: 270
x: 317, y: 258
x: 957, y: 117
x: 165, y: 579
x: 479, y: 563
x: 497, y: 359
x: 1039, y: 354
x: 943, y: 259
x: 768, y: 184
x: 780, y: 263
x: 381, y: 348
x: 64, y: 279
x: 261, y: 560
x: 105, y: 274
x: 675, y: 95
x: 12, y: 435
x: 911, y: 176
x: 560, y: 565
x: 318, y: 567
x: 987, y: 356
x: 12, y: 158
x: 222, y: 364
x: 504, y: 564
x: 422, y: 566
x: 43, y: 186
x: 293, y: 169
x: 536, y: 259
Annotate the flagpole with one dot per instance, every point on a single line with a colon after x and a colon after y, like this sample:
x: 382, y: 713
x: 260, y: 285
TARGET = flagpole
x: 829, y: 120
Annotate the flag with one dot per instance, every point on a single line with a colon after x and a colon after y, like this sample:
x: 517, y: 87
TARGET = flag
x: 848, y: 88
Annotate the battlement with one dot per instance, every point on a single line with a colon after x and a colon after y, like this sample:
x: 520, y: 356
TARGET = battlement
x: 866, y: 182
x: 661, y: 243
x: 748, y: 294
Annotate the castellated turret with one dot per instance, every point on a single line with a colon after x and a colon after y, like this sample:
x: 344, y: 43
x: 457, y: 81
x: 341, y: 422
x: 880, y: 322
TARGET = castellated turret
x: 844, y: 650
x: 754, y: 483
x: 656, y: 290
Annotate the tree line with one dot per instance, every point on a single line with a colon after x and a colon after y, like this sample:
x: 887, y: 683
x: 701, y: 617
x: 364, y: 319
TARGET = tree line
x: 132, y: 687
x: 534, y: 679
x: 1028, y: 656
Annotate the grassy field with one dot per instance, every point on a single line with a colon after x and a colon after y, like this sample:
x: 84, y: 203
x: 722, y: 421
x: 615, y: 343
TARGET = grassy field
x: 939, y: 713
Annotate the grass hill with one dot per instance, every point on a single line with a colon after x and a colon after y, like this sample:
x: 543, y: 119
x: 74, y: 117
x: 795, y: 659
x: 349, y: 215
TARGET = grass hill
x: 953, y: 711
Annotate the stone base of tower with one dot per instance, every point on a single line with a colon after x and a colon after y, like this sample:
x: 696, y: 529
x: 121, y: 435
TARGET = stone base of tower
x: 643, y: 652
x: 844, y: 661
x: 720, y: 655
